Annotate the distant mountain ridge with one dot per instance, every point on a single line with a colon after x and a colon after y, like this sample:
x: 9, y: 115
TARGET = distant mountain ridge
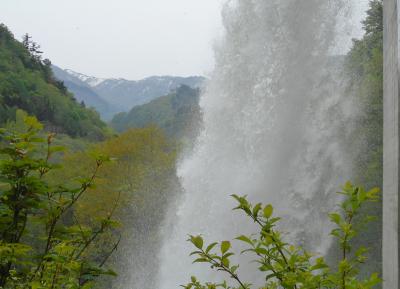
x: 83, y: 92
x: 110, y: 96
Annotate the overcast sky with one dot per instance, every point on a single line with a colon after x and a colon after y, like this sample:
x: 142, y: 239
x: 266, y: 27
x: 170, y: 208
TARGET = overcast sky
x: 121, y: 38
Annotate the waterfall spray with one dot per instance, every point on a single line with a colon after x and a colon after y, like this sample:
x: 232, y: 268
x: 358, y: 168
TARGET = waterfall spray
x: 275, y: 114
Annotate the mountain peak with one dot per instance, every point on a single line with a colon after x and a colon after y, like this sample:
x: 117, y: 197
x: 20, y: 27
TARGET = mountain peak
x: 92, y: 81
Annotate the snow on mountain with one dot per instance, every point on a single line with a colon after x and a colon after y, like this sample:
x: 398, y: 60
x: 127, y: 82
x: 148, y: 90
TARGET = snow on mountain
x: 90, y: 80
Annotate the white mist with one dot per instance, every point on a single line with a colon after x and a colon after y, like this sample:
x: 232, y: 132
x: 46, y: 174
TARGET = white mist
x: 275, y: 116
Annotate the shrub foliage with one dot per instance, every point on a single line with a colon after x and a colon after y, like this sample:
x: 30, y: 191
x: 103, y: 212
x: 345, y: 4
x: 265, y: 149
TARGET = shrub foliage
x: 285, y: 265
x: 42, y: 243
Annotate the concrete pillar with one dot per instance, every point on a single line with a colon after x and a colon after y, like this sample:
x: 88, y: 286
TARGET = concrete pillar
x: 391, y: 146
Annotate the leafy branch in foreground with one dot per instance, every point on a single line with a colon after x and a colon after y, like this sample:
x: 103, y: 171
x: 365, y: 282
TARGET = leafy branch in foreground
x: 288, y: 266
x: 42, y: 244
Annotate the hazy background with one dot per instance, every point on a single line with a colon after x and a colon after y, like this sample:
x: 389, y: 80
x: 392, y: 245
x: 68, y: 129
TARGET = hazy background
x: 124, y: 38
x: 120, y: 38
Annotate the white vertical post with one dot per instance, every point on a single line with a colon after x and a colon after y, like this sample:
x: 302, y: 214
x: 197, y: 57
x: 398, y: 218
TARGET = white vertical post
x: 391, y: 146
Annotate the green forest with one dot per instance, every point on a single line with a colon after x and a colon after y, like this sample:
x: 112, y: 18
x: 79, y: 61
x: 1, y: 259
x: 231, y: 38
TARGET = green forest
x: 73, y: 188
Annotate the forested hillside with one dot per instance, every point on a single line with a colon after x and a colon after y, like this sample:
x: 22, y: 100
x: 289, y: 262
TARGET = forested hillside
x: 364, y: 66
x: 177, y: 113
x: 27, y: 82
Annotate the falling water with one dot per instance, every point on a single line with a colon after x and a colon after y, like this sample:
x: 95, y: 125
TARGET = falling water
x: 275, y: 115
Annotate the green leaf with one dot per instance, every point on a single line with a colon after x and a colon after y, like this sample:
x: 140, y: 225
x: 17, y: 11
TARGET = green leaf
x: 195, y: 253
x: 225, y: 262
x: 336, y: 218
x: 268, y: 210
x: 227, y: 255
x: 210, y: 247
x: 373, y: 194
x: 32, y: 122
x: 234, y: 268
x: 200, y: 260
x: 348, y: 187
x: 110, y: 272
x: 197, y: 241
x: 245, y: 239
x: 374, y: 280
x: 261, y: 251
x: 270, y: 276
x: 256, y: 209
x: 225, y: 246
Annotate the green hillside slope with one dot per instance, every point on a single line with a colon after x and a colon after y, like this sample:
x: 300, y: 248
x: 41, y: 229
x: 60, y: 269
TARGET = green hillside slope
x: 176, y: 113
x: 27, y: 82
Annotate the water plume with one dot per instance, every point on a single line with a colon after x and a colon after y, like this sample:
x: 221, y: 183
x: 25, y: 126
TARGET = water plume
x: 275, y: 114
